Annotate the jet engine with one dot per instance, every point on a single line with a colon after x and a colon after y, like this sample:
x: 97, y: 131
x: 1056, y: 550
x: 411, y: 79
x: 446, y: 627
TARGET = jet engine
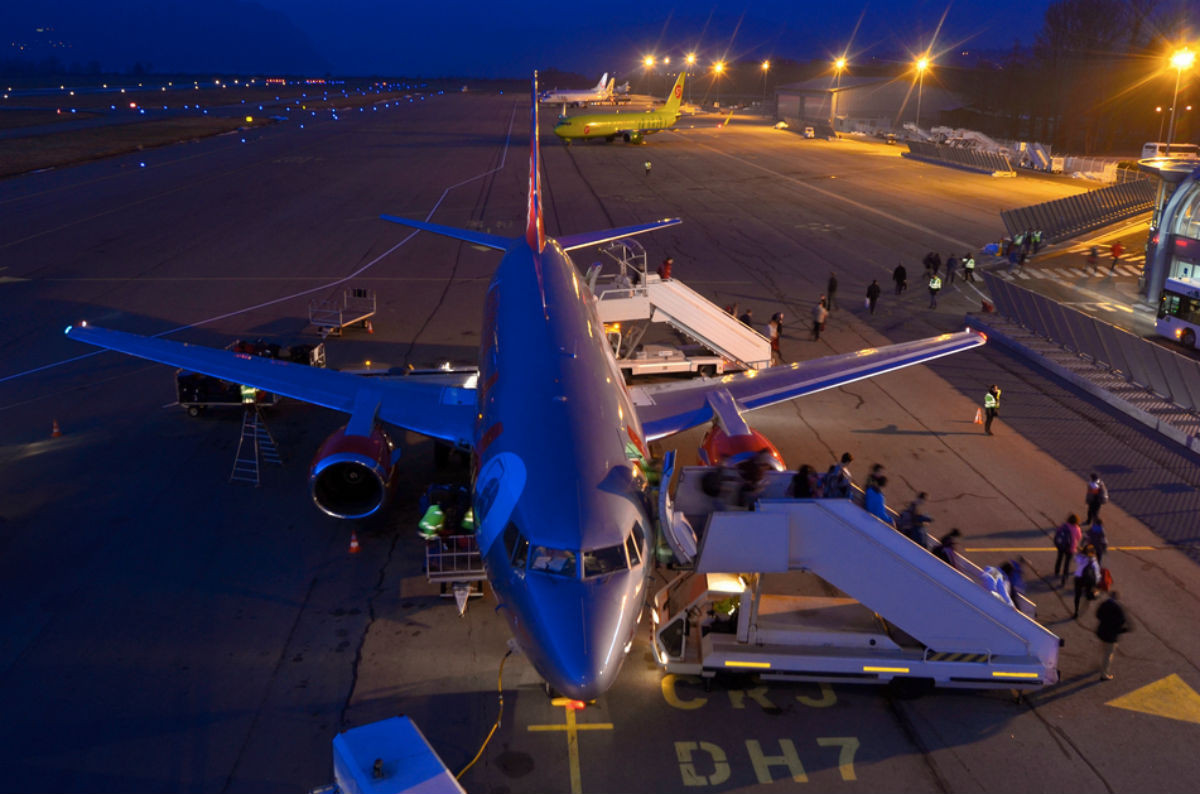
x: 719, y: 447
x: 351, y: 474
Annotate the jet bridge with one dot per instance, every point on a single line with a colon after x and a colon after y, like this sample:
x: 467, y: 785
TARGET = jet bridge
x: 629, y: 293
x: 821, y: 590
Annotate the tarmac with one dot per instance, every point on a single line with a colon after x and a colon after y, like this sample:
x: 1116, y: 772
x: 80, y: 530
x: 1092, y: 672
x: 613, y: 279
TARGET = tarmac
x: 169, y: 631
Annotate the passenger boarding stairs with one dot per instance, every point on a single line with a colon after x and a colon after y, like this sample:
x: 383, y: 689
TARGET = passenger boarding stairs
x: 935, y: 623
x: 671, y: 301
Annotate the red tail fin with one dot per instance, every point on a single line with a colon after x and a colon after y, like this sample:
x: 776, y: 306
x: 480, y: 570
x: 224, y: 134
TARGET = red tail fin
x: 535, y: 231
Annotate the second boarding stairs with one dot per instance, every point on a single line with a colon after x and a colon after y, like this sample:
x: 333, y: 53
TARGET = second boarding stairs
x: 658, y: 300
x: 878, y: 607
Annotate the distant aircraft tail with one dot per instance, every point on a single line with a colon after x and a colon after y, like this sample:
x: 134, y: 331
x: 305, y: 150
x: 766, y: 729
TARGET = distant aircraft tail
x: 612, y: 87
x: 603, y: 82
x: 676, y: 95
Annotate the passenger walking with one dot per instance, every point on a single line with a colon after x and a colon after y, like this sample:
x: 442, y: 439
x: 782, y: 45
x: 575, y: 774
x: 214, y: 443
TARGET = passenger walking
x: 947, y: 548
x: 1113, y: 622
x: 747, y: 317
x: 1016, y: 581
x: 873, y: 294
x: 802, y: 483
x: 1116, y: 250
x: 1098, y: 538
x: 664, y: 270
x: 935, y: 286
x: 1094, y: 259
x: 820, y: 314
x: 996, y: 581
x: 774, y: 332
x: 913, y: 521
x: 1097, y: 497
x: 1066, y: 541
x: 991, y: 407
x: 838, y: 480
x: 900, y: 276
x: 968, y: 262
x: 875, y: 476
x: 831, y: 292
x: 874, y: 501
x: 951, y: 268
x: 1087, y: 575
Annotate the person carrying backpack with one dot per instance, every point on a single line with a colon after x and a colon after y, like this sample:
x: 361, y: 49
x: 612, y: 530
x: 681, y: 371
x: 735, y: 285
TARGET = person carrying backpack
x: 1066, y: 541
x: 1097, y: 497
x: 1087, y: 576
x: 838, y: 480
x: 1098, y: 539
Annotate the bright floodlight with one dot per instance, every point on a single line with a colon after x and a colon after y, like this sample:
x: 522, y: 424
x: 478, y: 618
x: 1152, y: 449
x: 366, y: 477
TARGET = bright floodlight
x: 766, y: 65
x: 1183, y: 59
x: 648, y: 61
x: 839, y: 64
x: 719, y: 67
x: 691, y: 59
x: 667, y: 59
x: 922, y: 64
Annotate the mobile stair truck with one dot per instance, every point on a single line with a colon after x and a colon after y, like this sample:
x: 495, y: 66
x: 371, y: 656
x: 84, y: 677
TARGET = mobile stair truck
x: 629, y: 299
x: 821, y: 590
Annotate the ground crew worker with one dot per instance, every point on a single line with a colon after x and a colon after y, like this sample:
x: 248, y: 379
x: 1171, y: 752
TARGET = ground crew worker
x: 968, y: 262
x: 935, y: 286
x: 647, y: 168
x: 1037, y: 240
x: 991, y: 407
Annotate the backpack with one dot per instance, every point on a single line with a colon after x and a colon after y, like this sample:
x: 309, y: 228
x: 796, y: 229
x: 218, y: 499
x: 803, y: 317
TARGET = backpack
x: 1089, y: 579
x: 1106, y: 581
x: 1062, y: 538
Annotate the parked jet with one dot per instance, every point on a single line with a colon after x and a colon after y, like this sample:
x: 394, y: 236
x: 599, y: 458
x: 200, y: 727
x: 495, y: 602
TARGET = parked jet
x: 602, y: 92
x: 630, y: 126
x: 558, y: 439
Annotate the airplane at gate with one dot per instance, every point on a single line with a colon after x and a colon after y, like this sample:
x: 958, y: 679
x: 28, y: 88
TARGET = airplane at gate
x: 559, y: 440
x: 633, y: 127
x: 602, y: 92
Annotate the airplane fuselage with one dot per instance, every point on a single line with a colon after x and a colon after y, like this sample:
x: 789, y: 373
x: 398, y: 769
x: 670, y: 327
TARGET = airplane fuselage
x: 559, y: 492
x: 608, y: 125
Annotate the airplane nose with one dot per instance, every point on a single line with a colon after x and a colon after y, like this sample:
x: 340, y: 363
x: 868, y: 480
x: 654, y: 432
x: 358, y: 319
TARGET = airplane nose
x: 583, y: 638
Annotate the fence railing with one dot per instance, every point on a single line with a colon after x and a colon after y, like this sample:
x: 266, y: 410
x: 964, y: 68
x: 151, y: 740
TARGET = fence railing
x: 1067, y: 217
x: 974, y: 159
x: 1168, y: 374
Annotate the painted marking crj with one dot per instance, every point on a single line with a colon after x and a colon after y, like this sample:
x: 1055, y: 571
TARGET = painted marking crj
x: 558, y: 439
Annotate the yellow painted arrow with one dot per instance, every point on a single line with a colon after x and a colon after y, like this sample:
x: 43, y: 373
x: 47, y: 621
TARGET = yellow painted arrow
x: 1169, y: 697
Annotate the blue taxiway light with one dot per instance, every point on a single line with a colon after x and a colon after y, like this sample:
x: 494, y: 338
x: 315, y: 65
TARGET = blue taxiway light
x: 67, y: 330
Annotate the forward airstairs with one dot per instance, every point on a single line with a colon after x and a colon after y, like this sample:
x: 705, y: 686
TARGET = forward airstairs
x: 626, y: 292
x: 821, y: 590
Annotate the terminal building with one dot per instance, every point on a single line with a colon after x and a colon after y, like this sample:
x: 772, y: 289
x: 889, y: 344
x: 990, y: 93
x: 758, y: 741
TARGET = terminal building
x: 865, y: 104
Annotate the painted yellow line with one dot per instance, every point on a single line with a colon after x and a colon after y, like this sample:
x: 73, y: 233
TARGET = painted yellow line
x: 572, y: 728
x: 748, y: 664
x: 1004, y: 674
x: 1010, y: 549
x: 870, y: 669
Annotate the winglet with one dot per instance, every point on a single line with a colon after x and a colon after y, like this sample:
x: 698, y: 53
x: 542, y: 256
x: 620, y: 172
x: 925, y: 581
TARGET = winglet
x: 535, y: 231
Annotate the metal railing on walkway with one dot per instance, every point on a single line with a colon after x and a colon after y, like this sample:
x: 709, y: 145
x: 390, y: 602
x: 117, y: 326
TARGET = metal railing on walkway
x: 1067, y: 217
x: 1168, y: 374
x: 973, y: 159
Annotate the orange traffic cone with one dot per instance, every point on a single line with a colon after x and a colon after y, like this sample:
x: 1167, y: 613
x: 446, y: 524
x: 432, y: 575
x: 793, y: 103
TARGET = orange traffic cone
x: 55, y: 430
x: 978, y: 416
x: 370, y: 328
x: 354, y: 547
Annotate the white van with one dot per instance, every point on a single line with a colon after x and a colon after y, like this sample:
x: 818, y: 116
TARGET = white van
x: 1178, y: 149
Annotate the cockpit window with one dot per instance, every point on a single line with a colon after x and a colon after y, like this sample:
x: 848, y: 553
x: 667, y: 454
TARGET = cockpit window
x: 631, y: 547
x: 556, y: 561
x: 639, y: 535
x: 601, y: 561
x: 517, y: 546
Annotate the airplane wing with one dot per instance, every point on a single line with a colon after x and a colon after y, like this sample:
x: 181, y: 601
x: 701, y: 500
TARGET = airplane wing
x: 667, y: 408
x: 439, y: 411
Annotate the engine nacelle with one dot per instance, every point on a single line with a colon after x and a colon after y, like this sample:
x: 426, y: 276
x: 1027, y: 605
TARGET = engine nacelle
x: 351, y: 475
x: 718, y: 447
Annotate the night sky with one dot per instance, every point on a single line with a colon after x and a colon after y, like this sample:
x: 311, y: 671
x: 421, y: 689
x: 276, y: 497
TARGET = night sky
x: 494, y: 39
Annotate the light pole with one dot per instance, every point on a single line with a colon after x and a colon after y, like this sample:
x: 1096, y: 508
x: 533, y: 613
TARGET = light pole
x: 766, y: 67
x: 691, y: 61
x: 839, y: 66
x: 1182, y: 59
x: 1161, y: 119
x: 718, y: 70
x: 922, y: 65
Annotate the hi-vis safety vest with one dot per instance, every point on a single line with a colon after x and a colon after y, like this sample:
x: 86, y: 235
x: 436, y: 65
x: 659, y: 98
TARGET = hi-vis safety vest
x: 990, y: 401
x: 935, y: 283
x: 969, y: 263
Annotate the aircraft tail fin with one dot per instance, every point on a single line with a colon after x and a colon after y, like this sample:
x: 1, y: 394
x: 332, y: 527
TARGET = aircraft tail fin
x: 676, y: 95
x: 612, y: 87
x: 603, y: 82
x: 535, y: 230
